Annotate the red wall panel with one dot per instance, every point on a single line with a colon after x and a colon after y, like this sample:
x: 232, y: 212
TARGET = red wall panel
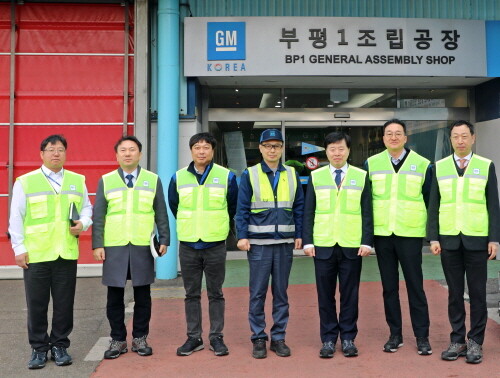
x: 70, y: 74
x: 64, y: 89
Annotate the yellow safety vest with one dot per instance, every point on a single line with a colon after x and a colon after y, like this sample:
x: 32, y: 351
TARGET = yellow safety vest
x: 337, y: 216
x: 202, y: 212
x: 270, y: 217
x: 46, y: 223
x: 130, y: 216
x: 463, y: 199
x: 398, y: 203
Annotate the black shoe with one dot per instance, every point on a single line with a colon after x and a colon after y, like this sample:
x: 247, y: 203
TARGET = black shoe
x: 259, y: 348
x: 423, y: 346
x: 280, y: 348
x: 454, y: 351
x: 140, y: 345
x: 60, y: 356
x: 191, y: 345
x: 218, y: 346
x: 116, y: 348
x: 349, y: 349
x: 394, y: 342
x: 474, y: 352
x: 38, y: 360
x: 327, y: 350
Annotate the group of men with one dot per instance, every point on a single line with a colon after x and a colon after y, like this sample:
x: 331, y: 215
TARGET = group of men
x: 345, y: 212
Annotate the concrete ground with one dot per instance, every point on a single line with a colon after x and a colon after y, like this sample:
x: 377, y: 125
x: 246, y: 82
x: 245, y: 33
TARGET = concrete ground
x: 91, y: 332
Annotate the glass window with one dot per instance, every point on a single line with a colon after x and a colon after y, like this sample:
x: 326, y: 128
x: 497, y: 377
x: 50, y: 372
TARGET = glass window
x: 340, y: 98
x: 433, y: 98
x: 244, y: 97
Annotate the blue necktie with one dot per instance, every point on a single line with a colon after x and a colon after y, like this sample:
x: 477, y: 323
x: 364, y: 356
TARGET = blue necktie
x: 338, y: 177
x: 129, y: 183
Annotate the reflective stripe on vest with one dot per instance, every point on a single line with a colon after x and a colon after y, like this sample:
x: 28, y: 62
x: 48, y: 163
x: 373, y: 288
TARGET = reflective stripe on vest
x: 398, y: 203
x: 337, y: 217
x: 270, y: 217
x: 130, y: 214
x: 46, y: 223
x: 202, y: 211
x: 463, y: 199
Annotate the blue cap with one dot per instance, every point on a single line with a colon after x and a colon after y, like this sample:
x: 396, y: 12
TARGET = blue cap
x: 271, y: 134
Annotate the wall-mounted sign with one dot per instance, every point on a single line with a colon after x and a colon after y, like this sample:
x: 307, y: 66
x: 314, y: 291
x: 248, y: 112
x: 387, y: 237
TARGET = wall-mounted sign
x: 312, y: 163
x: 345, y: 46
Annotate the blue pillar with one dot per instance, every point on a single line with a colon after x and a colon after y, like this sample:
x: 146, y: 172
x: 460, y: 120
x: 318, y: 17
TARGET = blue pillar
x: 168, y: 117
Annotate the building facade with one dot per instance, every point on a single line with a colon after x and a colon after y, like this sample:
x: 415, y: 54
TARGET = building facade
x: 165, y: 69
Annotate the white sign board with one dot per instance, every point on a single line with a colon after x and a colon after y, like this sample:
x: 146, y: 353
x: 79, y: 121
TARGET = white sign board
x: 344, y: 46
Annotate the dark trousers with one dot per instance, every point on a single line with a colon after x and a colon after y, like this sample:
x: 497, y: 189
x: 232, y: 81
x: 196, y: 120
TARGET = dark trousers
x: 195, y: 262
x: 472, y: 264
x: 115, y: 310
x: 408, y: 252
x: 41, y: 280
x: 348, y: 272
x: 265, y: 261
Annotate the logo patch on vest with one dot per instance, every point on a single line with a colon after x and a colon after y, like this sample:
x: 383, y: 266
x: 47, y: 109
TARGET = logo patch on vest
x: 476, y: 171
x: 353, y: 182
x: 72, y: 187
x: 145, y: 183
x: 215, y: 180
x: 413, y: 167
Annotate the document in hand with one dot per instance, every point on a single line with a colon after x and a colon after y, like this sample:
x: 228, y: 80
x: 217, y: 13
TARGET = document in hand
x: 73, y: 215
x: 154, y: 245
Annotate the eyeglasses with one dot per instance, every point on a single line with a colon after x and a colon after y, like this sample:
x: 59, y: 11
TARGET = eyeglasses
x: 269, y: 147
x: 54, y: 150
x: 396, y: 135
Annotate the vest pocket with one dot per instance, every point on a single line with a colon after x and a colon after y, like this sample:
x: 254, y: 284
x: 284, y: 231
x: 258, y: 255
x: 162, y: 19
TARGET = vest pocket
x: 323, y: 202
x: 446, y: 190
x: 413, y: 186
x: 353, y: 200
x: 186, y: 198
x: 146, y: 199
x: 38, y: 206
x: 115, y: 203
x: 378, y: 184
x: 476, y: 189
x: 477, y: 219
x: 216, y: 198
x: 37, y: 236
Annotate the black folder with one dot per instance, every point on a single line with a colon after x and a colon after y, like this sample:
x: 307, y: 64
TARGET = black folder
x: 73, y: 215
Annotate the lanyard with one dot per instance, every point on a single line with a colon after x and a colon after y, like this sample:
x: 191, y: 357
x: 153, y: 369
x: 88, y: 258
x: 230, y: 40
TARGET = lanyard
x: 51, y: 179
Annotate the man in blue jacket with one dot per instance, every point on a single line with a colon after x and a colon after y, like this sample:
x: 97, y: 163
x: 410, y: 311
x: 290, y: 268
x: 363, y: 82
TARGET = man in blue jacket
x: 269, y: 226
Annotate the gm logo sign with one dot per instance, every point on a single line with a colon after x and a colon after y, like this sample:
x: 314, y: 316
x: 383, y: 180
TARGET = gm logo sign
x: 226, y: 41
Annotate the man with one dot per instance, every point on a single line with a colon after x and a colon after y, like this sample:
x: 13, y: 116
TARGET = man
x: 269, y: 225
x: 400, y: 186
x: 337, y: 232
x: 202, y: 197
x: 464, y: 215
x: 46, y: 247
x: 129, y: 202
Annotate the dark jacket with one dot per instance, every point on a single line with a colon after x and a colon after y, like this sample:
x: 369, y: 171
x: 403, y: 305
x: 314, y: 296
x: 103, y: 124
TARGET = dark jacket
x: 452, y: 242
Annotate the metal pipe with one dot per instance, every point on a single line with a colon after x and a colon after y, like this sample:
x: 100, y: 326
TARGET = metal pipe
x: 168, y: 116
x: 125, y: 68
x: 11, y: 99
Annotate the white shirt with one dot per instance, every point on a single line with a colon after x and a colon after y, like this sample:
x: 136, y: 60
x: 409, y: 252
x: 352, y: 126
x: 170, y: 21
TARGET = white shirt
x: 18, y: 209
x: 342, y: 176
x: 467, y: 159
x: 395, y: 161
